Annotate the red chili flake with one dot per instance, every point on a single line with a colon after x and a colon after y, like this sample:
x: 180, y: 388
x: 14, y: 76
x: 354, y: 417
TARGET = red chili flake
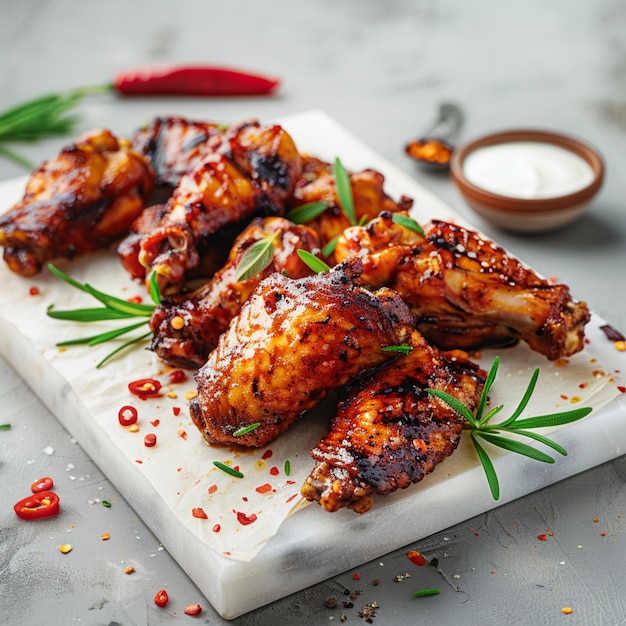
x: 602, y: 534
x: 145, y: 388
x: 290, y: 498
x: 176, y: 411
x: 199, y: 513
x: 290, y: 482
x: 182, y: 434
x: 155, y: 423
x: 244, y: 519
x: 264, y: 488
x: 542, y: 537
x: 139, y: 461
x: 355, y: 576
x: 621, y: 389
x: 212, y: 489
x: 150, y: 440
x: 217, y: 528
x: 34, y: 291
x: 267, y: 455
x: 161, y: 598
x: 582, y: 385
x: 193, y: 609
x: 177, y: 376
x: 274, y: 471
x: 244, y: 498
x: 135, y: 299
x: 127, y: 415
x: 416, y: 558
x: 563, y: 396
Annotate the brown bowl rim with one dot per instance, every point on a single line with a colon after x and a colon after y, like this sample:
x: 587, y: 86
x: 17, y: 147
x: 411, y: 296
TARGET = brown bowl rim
x: 508, y: 203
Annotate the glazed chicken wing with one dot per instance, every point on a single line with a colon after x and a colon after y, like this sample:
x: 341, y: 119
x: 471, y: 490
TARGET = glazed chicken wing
x: 317, y: 184
x: 388, y: 432
x: 79, y: 201
x: 293, y: 342
x: 186, y: 328
x: 466, y: 291
x: 252, y: 173
x: 175, y: 146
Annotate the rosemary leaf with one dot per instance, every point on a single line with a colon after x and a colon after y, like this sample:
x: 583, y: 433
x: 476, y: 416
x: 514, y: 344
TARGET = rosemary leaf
x: 305, y: 213
x: 426, y: 592
x: 329, y: 248
x: 244, y: 430
x: 515, y: 446
x: 129, y: 309
x: 100, y: 337
x: 553, y: 419
x: 344, y: 191
x: 312, y: 262
x: 155, y: 291
x: 524, y: 401
x: 490, y: 472
x: 455, y: 404
x: 229, y: 470
x: 85, y: 315
x: 119, y: 349
x: 541, y: 439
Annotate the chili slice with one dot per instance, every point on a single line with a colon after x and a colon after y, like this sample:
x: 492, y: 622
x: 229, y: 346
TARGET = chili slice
x: 42, y: 484
x: 161, y: 598
x: 199, y: 80
x: 127, y: 415
x: 145, y: 388
x: 38, y: 506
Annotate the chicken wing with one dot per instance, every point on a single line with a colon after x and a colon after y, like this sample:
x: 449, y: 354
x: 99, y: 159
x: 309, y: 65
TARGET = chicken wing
x: 175, y: 146
x: 79, y: 201
x: 466, y: 291
x: 388, y: 432
x: 317, y: 184
x: 252, y: 173
x: 186, y: 328
x: 293, y: 343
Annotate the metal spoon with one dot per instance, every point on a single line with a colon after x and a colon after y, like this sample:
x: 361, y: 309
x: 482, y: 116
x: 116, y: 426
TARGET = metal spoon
x: 435, y: 147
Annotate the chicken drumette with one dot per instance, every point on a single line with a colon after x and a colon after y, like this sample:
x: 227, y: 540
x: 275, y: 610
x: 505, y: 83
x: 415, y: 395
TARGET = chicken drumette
x: 293, y: 342
x: 466, y: 291
x: 79, y: 201
x: 389, y: 432
x: 186, y: 328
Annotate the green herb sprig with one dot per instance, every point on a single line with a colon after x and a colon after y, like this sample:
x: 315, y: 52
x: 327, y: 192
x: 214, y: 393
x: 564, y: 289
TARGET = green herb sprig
x: 257, y: 257
x: 481, y: 428
x: 42, y: 117
x: 114, y: 309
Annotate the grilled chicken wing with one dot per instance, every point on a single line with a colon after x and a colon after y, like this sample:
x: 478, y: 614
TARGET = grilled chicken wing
x: 253, y: 172
x: 317, y: 184
x: 466, y: 291
x: 293, y: 342
x: 79, y: 201
x: 175, y: 146
x: 388, y: 432
x: 186, y: 328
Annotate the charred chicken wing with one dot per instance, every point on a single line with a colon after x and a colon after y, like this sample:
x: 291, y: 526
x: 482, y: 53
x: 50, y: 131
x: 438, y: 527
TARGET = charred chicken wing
x: 388, y: 432
x: 466, y: 291
x: 79, y: 201
x: 293, y: 342
x: 186, y: 328
x: 252, y: 173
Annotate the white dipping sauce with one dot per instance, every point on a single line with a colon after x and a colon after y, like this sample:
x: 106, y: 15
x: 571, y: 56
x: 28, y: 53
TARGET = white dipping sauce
x: 527, y: 169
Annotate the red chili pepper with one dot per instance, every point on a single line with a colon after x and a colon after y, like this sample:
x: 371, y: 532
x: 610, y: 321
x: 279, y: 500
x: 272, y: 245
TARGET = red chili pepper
x: 195, y: 80
x: 127, y: 415
x: 42, y: 484
x: 161, y: 598
x: 38, y: 506
x: 145, y: 387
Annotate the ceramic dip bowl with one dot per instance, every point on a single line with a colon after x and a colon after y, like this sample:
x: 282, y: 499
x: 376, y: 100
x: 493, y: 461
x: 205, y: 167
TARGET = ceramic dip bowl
x: 528, y: 180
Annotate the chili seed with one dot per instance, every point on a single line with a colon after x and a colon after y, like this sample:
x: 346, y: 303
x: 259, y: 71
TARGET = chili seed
x: 65, y: 548
x: 177, y: 322
x: 129, y: 570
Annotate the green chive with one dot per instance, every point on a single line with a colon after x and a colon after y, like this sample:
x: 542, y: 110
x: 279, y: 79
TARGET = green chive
x: 403, y: 349
x: 426, y: 592
x: 5, y: 426
x: 227, y: 469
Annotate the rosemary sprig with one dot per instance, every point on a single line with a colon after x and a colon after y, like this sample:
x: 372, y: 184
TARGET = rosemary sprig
x: 114, y: 309
x: 481, y: 428
x: 40, y: 118
x: 257, y: 257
